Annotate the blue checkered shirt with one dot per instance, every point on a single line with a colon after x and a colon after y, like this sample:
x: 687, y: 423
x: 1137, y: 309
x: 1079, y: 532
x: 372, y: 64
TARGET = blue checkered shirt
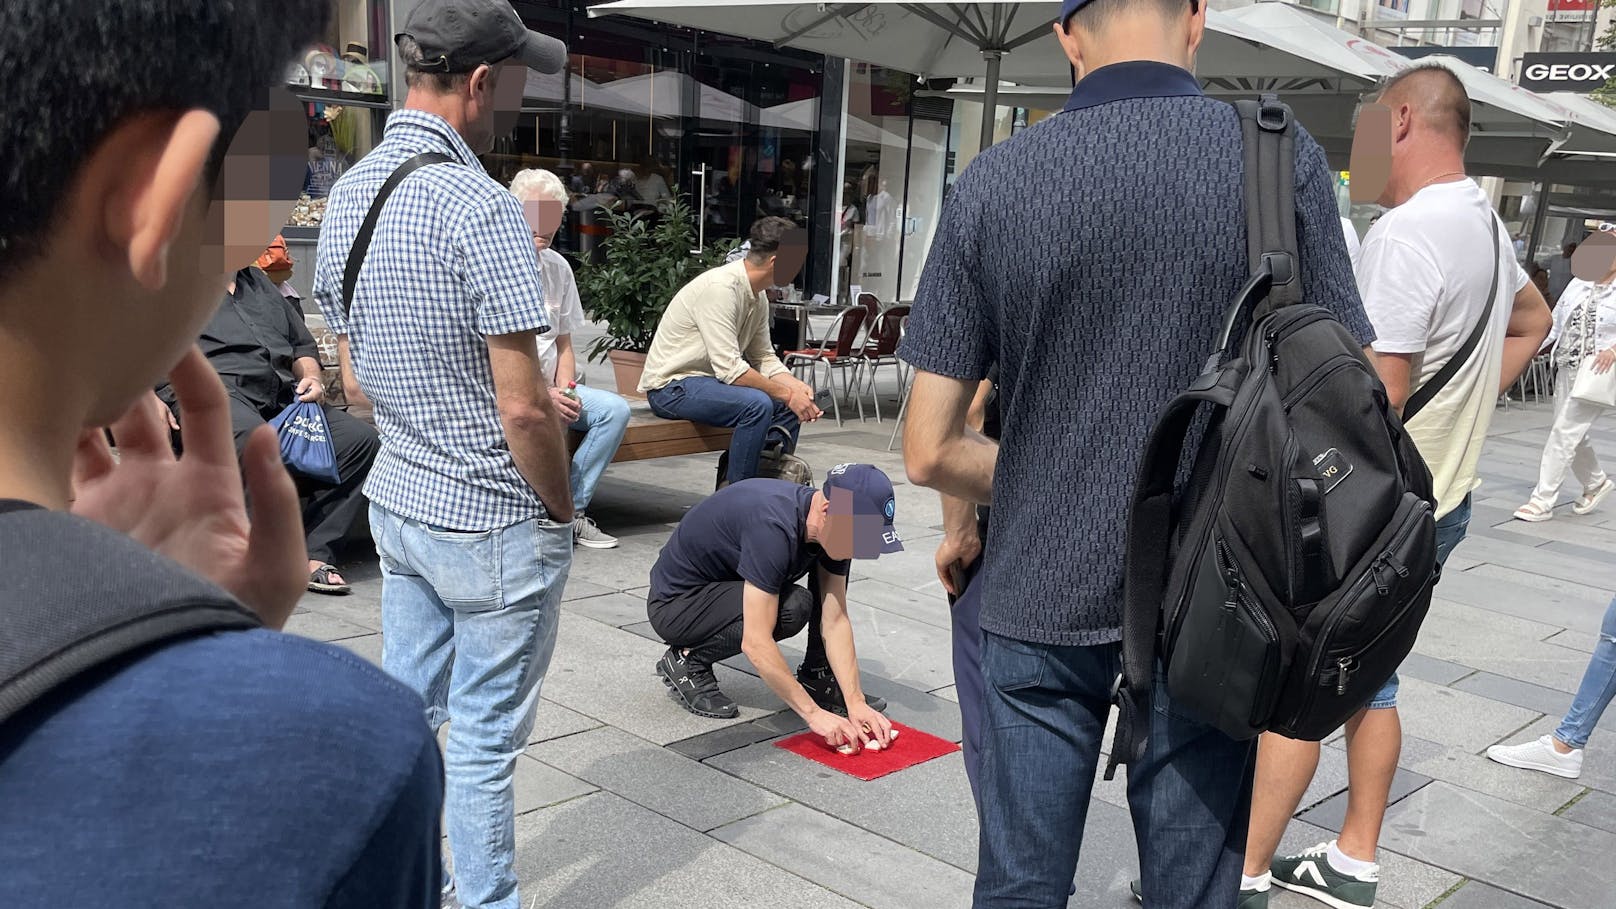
x: 451, y: 262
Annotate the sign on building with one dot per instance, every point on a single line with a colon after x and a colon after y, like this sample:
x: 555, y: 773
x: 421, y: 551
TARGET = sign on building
x: 1567, y: 72
x: 1572, y: 10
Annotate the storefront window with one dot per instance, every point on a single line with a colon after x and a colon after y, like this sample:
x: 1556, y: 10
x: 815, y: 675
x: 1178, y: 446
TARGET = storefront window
x: 352, y: 58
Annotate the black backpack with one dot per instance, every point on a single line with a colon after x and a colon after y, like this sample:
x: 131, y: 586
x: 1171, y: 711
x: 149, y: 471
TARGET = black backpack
x: 77, y: 596
x: 1292, y: 578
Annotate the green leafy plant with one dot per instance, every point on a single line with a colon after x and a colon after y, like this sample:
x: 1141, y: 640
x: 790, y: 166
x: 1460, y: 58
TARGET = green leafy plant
x: 644, y: 267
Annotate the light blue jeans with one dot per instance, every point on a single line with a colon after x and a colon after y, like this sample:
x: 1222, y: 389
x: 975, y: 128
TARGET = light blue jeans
x: 469, y: 622
x: 1597, y: 688
x: 603, y: 423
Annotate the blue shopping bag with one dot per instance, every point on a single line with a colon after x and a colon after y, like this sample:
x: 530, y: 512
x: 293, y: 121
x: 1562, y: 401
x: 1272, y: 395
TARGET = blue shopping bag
x: 306, y: 441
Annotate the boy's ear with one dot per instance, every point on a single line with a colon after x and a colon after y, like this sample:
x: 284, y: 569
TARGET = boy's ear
x: 136, y: 186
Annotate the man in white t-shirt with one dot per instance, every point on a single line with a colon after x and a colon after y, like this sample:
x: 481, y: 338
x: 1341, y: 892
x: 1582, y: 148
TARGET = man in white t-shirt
x: 1424, y: 274
x: 1353, y: 246
x: 600, y: 415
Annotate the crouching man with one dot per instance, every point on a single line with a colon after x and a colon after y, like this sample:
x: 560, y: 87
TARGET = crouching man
x: 726, y: 583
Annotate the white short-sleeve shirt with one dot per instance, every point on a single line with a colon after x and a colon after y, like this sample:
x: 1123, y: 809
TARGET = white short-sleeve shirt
x: 561, y: 302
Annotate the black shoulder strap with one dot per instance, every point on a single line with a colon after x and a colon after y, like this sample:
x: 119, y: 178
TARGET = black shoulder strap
x: 361, y: 243
x: 1429, y: 390
x: 1146, y: 565
x: 76, y: 595
x: 1268, y: 134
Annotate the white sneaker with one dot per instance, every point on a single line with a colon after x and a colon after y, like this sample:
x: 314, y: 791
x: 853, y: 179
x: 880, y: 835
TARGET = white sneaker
x: 585, y: 532
x: 1540, y: 755
x: 1591, y: 499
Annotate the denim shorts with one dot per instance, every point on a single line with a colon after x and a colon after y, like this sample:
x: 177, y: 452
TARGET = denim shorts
x: 1450, y: 531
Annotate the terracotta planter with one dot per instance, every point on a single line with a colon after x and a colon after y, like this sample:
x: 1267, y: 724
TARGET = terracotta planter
x: 627, y: 367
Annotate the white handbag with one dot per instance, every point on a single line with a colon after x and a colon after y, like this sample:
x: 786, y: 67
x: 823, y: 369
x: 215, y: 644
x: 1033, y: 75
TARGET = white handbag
x: 1593, y: 388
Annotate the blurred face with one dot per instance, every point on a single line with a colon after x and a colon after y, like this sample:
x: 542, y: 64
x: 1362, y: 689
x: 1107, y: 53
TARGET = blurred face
x: 543, y: 218
x: 848, y: 534
x: 1374, y: 139
x: 791, y: 257
x: 494, y: 105
x: 1595, y: 258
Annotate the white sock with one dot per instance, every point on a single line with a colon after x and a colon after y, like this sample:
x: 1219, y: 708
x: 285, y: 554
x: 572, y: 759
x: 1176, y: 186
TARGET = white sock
x: 1346, y: 864
x: 1261, y: 882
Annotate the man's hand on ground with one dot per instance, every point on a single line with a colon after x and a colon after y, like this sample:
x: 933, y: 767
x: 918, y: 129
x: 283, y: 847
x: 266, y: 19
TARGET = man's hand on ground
x: 874, y: 729
x: 954, y: 555
x: 838, y: 732
x: 310, y: 390
x: 191, y: 509
x: 802, y: 404
x: 568, y: 408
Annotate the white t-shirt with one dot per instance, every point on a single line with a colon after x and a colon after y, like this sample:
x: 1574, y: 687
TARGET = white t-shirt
x: 1423, y: 275
x: 1353, y: 246
x: 561, y: 302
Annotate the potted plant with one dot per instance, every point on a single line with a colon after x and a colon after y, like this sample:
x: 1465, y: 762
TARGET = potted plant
x: 645, y: 265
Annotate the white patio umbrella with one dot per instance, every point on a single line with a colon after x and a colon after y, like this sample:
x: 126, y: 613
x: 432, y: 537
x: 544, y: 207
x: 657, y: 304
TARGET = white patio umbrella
x: 801, y: 115
x: 1593, y: 126
x: 664, y: 94
x: 1009, y: 39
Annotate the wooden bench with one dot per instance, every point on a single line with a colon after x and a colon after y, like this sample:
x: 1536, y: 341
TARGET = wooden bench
x: 650, y: 436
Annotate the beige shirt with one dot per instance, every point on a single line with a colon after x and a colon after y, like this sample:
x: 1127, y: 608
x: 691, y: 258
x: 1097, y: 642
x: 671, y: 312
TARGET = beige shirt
x: 717, y: 327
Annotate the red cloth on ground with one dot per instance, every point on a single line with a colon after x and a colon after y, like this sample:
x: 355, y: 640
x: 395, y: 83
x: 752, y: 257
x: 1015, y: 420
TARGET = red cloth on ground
x: 910, y: 748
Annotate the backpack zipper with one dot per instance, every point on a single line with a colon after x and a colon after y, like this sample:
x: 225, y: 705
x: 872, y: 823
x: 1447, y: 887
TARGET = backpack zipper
x: 1319, y: 377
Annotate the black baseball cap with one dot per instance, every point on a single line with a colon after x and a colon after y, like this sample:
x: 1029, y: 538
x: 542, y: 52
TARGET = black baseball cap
x: 872, y: 495
x: 457, y: 36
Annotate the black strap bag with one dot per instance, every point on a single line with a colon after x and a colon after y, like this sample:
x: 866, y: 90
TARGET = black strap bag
x: 1286, y: 584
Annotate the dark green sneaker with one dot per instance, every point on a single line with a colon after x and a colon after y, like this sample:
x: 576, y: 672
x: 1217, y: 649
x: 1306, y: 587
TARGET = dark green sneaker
x: 1311, y: 874
x: 1249, y: 899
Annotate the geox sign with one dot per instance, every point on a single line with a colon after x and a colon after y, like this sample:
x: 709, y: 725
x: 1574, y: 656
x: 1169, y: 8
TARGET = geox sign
x: 1567, y: 72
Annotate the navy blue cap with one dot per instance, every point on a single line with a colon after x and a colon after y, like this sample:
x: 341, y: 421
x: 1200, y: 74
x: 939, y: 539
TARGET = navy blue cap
x: 872, y: 495
x: 1068, y: 7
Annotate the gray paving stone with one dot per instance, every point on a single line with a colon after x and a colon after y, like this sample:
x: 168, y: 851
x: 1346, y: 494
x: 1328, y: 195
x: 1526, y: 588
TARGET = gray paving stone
x: 869, y: 869
x: 670, y: 784
x: 1476, y: 895
x: 1541, y: 560
x: 901, y: 600
x: 1552, y: 701
x: 369, y: 647
x: 553, y: 721
x: 609, y: 674
x: 1108, y: 861
x: 1528, y: 852
x: 951, y: 693
x: 729, y: 738
x: 1579, y: 550
x: 1570, y: 529
x: 1331, y: 813
x: 1578, y: 640
x: 902, y: 649
x: 363, y: 607
x: 926, y: 807
x: 540, y: 785
x: 1529, y: 601
x: 1430, y: 669
x: 1455, y: 717
x: 1596, y: 809
x: 604, y: 852
x: 1475, y: 772
x: 615, y: 609
x: 579, y: 589
x: 322, y: 627
x: 1579, y: 589
x: 1505, y: 645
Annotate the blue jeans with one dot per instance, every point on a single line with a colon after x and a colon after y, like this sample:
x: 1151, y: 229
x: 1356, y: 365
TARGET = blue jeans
x: 746, y: 410
x: 966, y: 614
x: 1450, y: 532
x: 1045, y: 717
x: 469, y: 623
x: 1598, y: 685
x: 603, y: 422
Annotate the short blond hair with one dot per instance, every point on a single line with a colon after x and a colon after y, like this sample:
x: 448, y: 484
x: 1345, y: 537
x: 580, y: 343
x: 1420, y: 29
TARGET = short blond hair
x: 533, y: 185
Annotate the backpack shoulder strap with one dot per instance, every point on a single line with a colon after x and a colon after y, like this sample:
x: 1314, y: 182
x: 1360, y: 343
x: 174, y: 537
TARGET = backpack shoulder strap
x: 77, y: 595
x: 1268, y: 143
x: 361, y: 243
x: 1428, y: 392
x: 1146, y: 564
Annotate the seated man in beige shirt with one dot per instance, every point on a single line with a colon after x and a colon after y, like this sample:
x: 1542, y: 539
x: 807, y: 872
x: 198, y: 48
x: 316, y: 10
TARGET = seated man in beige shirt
x: 711, y: 361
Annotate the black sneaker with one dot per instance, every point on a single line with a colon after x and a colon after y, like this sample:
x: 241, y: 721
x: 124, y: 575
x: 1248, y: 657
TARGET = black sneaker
x: 695, y: 686
x: 821, y: 686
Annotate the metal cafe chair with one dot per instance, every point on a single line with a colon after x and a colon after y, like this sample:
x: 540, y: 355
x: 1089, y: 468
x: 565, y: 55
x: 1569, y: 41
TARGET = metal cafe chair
x: 881, y: 349
x: 837, y: 359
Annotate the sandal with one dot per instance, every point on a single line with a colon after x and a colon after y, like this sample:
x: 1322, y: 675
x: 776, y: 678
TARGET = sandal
x: 320, y: 581
x: 1591, y: 498
x: 1533, y: 513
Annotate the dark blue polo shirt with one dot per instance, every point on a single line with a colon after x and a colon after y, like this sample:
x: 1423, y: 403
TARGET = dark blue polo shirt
x: 1092, y: 257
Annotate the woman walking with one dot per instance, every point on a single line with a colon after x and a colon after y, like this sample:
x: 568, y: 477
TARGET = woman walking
x: 1561, y: 753
x: 1584, y: 328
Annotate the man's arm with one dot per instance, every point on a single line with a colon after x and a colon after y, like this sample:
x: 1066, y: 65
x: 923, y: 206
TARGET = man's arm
x: 962, y: 541
x: 939, y: 451
x: 566, y: 361
x: 1529, y: 324
x: 837, y: 629
x: 760, y: 611
x: 310, y: 386
x: 531, y: 421
x: 1394, y: 370
x: 350, y: 382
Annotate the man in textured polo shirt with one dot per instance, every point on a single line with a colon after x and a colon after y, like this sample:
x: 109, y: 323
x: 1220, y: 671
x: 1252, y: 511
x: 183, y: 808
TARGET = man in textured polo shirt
x: 470, y: 506
x: 1098, y: 298
x: 712, y: 361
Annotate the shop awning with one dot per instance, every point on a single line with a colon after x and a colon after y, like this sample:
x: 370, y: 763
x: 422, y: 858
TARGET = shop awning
x: 1593, y: 126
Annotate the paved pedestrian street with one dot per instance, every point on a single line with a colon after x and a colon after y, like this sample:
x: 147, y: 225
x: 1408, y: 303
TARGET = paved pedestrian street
x: 624, y: 799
